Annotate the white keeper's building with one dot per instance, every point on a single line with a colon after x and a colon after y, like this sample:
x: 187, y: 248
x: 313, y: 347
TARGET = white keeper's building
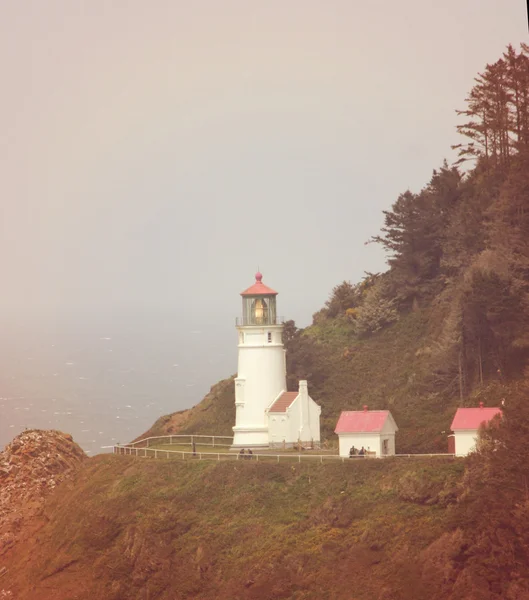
x: 266, y: 413
x: 373, y: 430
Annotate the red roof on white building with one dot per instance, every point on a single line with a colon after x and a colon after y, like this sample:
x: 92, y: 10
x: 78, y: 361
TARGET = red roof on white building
x: 283, y: 402
x: 259, y: 288
x: 362, y: 421
x: 472, y: 418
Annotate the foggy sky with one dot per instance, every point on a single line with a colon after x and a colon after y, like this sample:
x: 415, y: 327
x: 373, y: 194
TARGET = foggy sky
x: 154, y: 154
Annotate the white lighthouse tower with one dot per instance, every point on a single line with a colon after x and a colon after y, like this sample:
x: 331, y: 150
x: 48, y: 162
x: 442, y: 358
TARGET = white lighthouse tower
x: 261, y: 373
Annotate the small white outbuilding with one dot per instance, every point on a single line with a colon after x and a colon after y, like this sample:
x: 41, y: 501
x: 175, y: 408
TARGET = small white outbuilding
x: 373, y: 430
x: 294, y: 417
x: 466, y: 424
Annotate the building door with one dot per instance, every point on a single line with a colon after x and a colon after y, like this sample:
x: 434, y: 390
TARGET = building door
x: 451, y: 444
x: 385, y: 447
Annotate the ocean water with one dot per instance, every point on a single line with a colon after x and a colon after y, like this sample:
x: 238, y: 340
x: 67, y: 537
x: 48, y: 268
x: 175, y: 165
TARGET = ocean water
x: 107, y: 383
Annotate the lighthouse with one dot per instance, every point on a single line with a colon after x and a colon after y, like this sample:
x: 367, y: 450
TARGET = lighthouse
x: 261, y: 372
x: 266, y: 414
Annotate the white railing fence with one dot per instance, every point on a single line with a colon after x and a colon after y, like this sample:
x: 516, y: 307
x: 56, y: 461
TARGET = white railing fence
x: 225, y: 441
x: 148, y: 452
x: 183, y: 440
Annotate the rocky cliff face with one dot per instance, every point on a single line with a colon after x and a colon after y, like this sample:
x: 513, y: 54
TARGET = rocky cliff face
x: 31, y: 466
x: 135, y: 529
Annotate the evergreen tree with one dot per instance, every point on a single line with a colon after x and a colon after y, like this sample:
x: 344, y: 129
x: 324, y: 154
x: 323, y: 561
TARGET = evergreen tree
x: 414, y: 231
x: 376, y: 312
x: 493, y: 316
x: 498, y: 111
x: 343, y: 297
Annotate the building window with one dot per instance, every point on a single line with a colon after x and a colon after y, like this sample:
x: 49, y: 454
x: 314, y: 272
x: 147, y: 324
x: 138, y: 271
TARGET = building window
x: 269, y: 337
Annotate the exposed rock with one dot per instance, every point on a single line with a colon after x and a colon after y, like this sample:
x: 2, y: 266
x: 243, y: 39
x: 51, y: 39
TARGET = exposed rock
x: 31, y: 466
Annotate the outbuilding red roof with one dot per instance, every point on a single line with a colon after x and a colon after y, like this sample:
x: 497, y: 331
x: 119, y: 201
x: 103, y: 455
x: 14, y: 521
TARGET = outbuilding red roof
x: 472, y: 418
x: 283, y: 402
x: 259, y: 288
x: 362, y: 421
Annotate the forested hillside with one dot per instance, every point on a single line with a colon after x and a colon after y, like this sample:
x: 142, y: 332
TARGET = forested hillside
x: 448, y: 323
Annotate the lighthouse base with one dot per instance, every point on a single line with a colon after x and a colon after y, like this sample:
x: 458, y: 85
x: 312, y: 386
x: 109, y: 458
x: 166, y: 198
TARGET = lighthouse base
x: 250, y: 437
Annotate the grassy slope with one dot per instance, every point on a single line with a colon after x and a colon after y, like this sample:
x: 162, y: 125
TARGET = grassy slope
x: 215, y: 414
x: 138, y: 528
x: 387, y: 370
x: 392, y: 369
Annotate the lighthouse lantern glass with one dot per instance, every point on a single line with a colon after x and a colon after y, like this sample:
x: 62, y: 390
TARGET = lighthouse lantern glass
x: 259, y: 310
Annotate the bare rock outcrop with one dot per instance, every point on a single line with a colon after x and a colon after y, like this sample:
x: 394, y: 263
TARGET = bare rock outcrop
x: 31, y: 466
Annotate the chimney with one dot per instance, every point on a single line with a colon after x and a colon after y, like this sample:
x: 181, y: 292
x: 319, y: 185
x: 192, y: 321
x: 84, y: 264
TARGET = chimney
x: 304, y: 415
x: 481, y: 404
x: 365, y: 407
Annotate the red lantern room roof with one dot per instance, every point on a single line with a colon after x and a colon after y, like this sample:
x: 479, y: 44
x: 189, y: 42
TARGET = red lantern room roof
x: 259, y: 288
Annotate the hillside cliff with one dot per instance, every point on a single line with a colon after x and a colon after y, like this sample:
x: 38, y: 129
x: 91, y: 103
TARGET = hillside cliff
x: 133, y: 529
x: 125, y: 528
